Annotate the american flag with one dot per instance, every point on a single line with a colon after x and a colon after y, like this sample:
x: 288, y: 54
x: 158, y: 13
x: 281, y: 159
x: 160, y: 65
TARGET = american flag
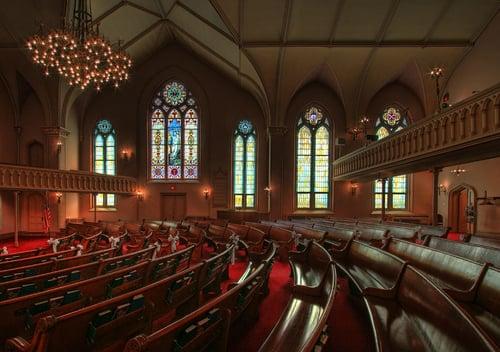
x: 47, y: 218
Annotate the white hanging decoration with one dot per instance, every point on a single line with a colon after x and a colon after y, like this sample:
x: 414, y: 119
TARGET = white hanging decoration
x: 54, y: 242
x: 4, y: 251
x: 233, y: 240
x: 157, y: 250
x: 114, y: 241
x: 173, y: 242
x: 296, y: 238
x: 80, y: 249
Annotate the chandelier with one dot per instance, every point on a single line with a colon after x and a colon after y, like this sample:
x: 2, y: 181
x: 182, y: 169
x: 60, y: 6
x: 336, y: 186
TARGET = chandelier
x: 79, y: 54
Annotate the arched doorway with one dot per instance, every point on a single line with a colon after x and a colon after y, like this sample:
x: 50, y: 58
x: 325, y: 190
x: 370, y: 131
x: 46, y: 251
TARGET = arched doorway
x: 35, y: 154
x: 462, y: 209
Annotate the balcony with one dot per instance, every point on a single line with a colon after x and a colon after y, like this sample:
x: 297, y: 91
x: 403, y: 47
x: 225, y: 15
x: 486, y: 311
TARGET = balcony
x: 468, y: 131
x: 15, y: 177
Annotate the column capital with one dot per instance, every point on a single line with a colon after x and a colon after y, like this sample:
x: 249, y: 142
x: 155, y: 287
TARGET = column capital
x: 277, y: 130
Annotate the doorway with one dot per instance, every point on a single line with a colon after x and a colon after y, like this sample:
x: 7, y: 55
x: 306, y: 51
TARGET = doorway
x: 35, y: 154
x: 35, y: 213
x: 462, y: 199
x: 173, y: 206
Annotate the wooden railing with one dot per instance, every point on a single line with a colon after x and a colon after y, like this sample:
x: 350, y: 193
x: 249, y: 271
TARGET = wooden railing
x: 468, y: 131
x: 17, y: 177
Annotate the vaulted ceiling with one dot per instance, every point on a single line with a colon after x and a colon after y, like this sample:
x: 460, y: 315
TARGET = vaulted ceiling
x: 274, y: 47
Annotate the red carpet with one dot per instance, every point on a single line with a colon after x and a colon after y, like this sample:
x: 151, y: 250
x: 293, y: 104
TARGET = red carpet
x: 25, y: 244
x: 454, y: 236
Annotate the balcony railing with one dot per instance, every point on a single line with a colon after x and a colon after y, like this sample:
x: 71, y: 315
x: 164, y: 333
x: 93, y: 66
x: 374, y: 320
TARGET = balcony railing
x: 17, y: 177
x: 468, y: 131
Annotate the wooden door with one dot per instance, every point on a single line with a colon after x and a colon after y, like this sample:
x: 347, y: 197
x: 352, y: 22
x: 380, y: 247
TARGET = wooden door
x: 462, y: 204
x: 35, y: 213
x: 35, y: 154
x: 173, y: 206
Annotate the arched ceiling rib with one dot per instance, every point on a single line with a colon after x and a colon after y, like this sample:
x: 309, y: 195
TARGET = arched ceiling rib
x: 272, y: 48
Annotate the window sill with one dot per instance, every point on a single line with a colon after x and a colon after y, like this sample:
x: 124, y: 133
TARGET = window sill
x: 175, y: 181
x: 393, y: 212
x: 313, y: 211
x: 91, y: 210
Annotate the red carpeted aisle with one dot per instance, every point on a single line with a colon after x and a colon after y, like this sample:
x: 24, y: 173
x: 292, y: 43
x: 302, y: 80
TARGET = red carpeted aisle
x: 25, y: 244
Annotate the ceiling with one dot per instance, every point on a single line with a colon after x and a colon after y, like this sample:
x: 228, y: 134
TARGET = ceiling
x: 272, y: 48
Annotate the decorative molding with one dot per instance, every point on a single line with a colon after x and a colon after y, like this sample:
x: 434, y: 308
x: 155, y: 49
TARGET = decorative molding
x: 55, y: 131
x: 473, y: 134
x: 21, y: 178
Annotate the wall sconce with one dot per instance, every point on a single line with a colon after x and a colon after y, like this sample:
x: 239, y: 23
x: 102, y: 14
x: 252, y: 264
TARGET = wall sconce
x: 442, y: 189
x: 354, y: 188
x: 59, y: 146
x: 59, y: 196
x: 364, y: 122
x: 125, y: 154
x: 206, y: 193
x: 140, y: 195
x: 354, y: 132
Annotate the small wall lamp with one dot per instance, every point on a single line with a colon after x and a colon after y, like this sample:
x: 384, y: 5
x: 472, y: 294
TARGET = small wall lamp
x: 206, y: 193
x: 354, y: 188
x: 442, y: 189
x: 140, y: 195
x: 125, y: 154
x: 59, y: 196
x: 59, y: 146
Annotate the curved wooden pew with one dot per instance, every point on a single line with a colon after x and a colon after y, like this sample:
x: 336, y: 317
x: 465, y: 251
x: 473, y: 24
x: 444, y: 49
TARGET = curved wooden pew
x: 209, y: 326
x: 448, y: 271
x: 281, y: 236
x: 25, y: 254
x: 17, y: 263
x: 303, y: 321
x: 125, y: 315
x: 253, y: 238
x: 416, y: 315
x: 475, y: 252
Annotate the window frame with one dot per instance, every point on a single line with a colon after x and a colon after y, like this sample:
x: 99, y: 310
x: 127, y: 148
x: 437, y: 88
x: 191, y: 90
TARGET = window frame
x: 299, y: 123
x: 104, y: 136
x: 236, y: 134
x: 403, y: 123
x: 166, y: 113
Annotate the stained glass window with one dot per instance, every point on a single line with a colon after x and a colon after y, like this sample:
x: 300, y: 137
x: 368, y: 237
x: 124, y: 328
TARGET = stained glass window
x: 105, y: 158
x: 174, y: 138
x: 244, y: 165
x: 313, y: 160
x: 396, y: 189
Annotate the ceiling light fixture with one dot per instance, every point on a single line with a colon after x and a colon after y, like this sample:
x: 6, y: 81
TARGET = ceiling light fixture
x: 458, y: 171
x: 79, y: 54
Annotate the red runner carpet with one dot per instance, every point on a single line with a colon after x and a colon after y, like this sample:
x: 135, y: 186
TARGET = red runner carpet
x: 25, y: 244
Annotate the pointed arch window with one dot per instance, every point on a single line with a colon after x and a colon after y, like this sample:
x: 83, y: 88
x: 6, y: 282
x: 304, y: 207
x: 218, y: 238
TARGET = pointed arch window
x: 397, y: 187
x: 244, y: 165
x: 105, y: 158
x: 174, y: 134
x: 313, y: 160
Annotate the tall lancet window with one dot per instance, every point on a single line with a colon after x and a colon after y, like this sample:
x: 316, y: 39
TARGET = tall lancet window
x: 396, y: 189
x: 174, y: 134
x: 244, y: 165
x: 105, y: 158
x: 313, y: 160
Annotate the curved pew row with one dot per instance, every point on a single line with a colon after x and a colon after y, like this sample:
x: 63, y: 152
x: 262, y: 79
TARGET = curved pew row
x: 280, y: 236
x: 475, y: 286
x: 126, y: 315
x: 25, y: 254
x: 209, y: 326
x: 20, y: 314
x: 400, y: 298
x: 53, y: 262
x: 302, y: 325
x: 475, y: 252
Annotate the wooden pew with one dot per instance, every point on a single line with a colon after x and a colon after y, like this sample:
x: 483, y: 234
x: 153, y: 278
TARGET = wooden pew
x: 446, y: 270
x: 111, y: 283
x: 253, y: 238
x: 281, y: 236
x: 483, y: 304
x: 475, y: 252
x: 368, y: 266
x: 416, y: 302
x: 209, y: 326
x: 303, y: 321
x: 25, y: 254
x: 17, y: 263
x: 107, y: 325
x: 336, y: 237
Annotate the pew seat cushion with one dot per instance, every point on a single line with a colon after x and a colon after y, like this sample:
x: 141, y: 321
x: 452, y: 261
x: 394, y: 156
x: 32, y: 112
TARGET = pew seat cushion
x: 363, y: 277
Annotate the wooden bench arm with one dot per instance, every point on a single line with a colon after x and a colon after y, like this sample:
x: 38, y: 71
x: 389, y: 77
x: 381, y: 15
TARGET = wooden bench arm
x: 385, y: 293
x: 307, y: 290
x: 470, y: 294
x: 17, y: 344
x: 342, y: 252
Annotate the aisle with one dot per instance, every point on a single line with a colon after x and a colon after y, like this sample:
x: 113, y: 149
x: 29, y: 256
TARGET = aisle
x: 25, y: 244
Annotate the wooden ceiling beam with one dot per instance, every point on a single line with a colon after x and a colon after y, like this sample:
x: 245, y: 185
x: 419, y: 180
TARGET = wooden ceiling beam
x: 359, y: 44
